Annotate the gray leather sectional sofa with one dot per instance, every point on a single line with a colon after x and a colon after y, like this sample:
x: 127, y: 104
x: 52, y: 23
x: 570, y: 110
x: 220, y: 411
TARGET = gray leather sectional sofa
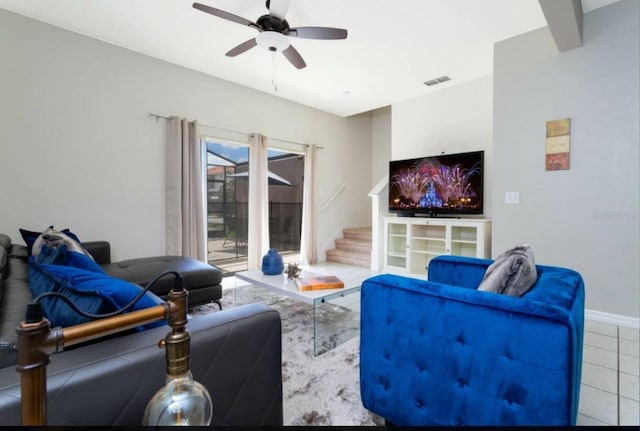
x: 235, y: 353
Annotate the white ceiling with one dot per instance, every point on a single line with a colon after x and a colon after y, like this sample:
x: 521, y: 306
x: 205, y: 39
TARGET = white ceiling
x: 392, y: 47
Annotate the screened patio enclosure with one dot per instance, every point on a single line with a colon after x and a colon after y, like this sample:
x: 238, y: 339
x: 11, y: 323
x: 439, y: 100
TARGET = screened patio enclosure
x: 227, y: 203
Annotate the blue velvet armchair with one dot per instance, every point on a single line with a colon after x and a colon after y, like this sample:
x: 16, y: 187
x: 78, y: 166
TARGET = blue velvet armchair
x: 440, y: 352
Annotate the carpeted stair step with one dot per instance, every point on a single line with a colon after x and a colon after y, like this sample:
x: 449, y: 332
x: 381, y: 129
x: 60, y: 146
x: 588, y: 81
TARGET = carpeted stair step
x: 349, y: 257
x: 353, y: 245
x: 354, y: 248
x: 358, y: 234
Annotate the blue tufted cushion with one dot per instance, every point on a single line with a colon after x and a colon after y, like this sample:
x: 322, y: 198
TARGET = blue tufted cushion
x: 79, y: 278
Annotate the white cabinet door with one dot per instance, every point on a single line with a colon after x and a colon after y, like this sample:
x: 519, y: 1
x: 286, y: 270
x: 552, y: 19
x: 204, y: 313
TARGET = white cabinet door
x: 428, y: 240
x: 396, y: 245
x: 470, y: 238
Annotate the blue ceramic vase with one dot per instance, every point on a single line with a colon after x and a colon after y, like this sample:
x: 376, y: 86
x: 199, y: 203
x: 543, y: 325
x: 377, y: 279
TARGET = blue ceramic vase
x: 272, y: 263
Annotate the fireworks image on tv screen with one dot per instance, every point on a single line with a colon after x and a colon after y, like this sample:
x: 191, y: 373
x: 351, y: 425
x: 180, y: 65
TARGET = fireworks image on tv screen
x: 451, y: 183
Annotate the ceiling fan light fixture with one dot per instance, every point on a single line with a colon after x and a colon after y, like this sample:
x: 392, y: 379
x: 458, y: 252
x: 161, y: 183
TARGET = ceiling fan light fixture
x: 274, y: 31
x: 272, y: 41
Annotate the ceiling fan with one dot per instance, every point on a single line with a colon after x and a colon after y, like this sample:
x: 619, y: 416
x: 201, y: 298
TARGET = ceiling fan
x: 274, y: 30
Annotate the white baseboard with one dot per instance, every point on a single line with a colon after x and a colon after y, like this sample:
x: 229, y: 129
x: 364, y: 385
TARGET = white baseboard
x: 613, y: 319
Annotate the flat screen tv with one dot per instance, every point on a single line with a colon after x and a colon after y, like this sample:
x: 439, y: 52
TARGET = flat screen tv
x: 448, y: 184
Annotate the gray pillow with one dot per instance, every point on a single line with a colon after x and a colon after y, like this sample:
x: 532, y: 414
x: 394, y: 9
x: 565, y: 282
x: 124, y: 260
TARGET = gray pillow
x: 512, y: 273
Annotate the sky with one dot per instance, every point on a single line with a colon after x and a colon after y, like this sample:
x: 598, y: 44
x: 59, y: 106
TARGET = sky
x: 235, y: 153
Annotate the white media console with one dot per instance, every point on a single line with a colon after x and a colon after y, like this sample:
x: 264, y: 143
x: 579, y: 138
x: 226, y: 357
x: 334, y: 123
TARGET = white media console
x: 411, y: 242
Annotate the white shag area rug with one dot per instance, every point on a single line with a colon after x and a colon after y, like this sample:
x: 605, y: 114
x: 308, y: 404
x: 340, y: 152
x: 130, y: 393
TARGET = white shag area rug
x: 317, y: 390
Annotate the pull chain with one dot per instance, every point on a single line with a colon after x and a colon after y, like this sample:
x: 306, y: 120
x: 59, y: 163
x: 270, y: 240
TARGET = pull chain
x: 274, y: 71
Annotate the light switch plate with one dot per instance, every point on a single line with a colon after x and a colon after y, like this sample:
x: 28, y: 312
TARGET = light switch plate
x: 512, y: 198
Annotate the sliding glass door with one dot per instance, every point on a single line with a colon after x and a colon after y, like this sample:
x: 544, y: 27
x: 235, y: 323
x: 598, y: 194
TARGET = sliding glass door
x: 228, y: 202
x: 286, y: 175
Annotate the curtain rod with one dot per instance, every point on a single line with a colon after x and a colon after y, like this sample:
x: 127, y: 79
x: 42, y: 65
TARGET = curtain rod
x: 164, y: 117
x: 294, y: 143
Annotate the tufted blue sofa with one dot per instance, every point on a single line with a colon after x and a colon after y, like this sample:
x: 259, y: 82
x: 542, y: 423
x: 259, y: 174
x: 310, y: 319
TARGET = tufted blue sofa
x: 440, y: 352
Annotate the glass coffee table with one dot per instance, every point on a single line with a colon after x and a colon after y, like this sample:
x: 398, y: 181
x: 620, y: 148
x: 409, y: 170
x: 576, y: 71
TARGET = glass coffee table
x: 336, y: 312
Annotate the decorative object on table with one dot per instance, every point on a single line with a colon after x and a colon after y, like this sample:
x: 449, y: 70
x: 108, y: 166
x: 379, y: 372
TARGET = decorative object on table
x: 272, y: 263
x: 557, y: 144
x: 293, y: 270
x: 319, y: 282
x: 37, y: 341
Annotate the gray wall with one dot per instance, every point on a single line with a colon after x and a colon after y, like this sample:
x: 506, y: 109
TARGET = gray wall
x: 451, y: 120
x: 78, y: 150
x: 585, y: 218
x: 380, y: 144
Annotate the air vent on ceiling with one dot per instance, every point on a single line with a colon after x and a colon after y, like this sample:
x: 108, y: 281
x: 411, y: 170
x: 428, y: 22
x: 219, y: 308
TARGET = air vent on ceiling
x: 440, y: 80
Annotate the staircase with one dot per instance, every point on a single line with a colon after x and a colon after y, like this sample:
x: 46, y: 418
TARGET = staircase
x: 354, y: 248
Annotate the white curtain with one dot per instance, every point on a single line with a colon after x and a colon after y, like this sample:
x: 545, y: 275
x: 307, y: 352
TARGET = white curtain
x: 185, y: 221
x: 258, y: 201
x: 308, y: 246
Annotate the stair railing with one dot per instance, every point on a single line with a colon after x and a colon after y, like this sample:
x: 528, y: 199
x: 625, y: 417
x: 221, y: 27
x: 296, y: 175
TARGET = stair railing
x: 333, y: 196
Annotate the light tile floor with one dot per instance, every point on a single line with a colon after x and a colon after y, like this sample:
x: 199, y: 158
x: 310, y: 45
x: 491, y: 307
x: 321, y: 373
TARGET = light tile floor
x: 610, y: 389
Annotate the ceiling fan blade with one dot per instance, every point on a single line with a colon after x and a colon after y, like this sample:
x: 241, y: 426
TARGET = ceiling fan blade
x: 225, y: 15
x: 244, y: 46
x: 294, y: 57
x: 318, y: 33
x: 278, y: 8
